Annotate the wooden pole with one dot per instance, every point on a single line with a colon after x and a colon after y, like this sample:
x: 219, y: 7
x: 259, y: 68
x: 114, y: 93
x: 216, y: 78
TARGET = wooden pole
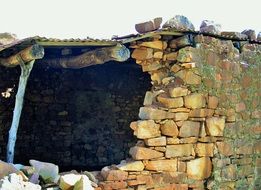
x: 25, y: 72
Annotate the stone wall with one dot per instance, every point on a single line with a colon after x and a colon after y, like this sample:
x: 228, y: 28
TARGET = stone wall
x: 199, y: 127
x: 77, y: 119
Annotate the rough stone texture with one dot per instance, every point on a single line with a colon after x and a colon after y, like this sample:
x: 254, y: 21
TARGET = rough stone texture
x: 199, y: 168
x: 159, y: 141
x: 178, y: 91
x: 15, y: 182
x: 169, y: 128
x: 215, y: 126
x: 204, y: 149
x: 189, y: 129
x: 210, y: 27
x: 6, y: 169
x: 141, y: 153
x: 156, y: 114
x: 162, y: 165
x: 179, y: 150
x: 131, y: 166
x: 149, y: 25
x: 171, y: 102
x: 146, y: 129
x: 251, y: 34
x: 195, y: 101
x: 179, y: 22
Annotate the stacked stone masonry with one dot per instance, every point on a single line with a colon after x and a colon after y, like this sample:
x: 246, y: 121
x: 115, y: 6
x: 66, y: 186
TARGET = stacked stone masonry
x: 199, y: 127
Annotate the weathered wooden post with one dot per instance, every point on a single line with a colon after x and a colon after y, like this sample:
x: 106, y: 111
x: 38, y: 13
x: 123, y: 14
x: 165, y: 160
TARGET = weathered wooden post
x: 25, y: 59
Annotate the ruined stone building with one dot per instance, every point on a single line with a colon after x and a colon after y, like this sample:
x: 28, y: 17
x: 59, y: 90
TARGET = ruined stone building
x: 182, y: 108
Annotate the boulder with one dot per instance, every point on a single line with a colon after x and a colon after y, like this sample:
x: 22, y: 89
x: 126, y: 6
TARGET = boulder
x: 15, y: 182
x: 149, y: 25
x: 179, y: 22
x: 83, y: 184
x: 75, y: 182
x: 6, y: 169
x: 68, y: 181
x: 48, y: 171
x: 208, y: 26
x: 251, y: 34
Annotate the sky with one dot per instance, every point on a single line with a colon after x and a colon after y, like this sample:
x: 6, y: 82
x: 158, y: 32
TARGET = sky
x: 104, y: 18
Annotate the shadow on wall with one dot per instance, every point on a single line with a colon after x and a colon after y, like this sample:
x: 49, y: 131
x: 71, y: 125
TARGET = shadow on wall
x: 79, y: 119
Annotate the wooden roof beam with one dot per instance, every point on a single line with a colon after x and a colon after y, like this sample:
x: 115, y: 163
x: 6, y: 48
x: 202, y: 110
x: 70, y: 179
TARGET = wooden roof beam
x: 24, y: 56
x: 98, y: 56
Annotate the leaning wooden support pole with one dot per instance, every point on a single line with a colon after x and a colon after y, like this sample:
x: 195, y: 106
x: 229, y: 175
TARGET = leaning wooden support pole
x: 98, y: 56
x: 25, y: 72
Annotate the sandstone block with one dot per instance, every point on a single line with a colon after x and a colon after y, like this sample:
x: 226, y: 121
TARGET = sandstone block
x: 154, y: 44
x: 181, y: 116
x: 225, y: 148
x: 153, y: 66
x: 149, y: 25
x: 109, y: 185
x: 109, y: 174
x: 159, y: 141
x: 178, y: 91
x: 201, y: 112
x: 158, y: 55
x: 171, y: 102
x: 189, y: 77
x: 186, y: 55
x: 180, y: 42
x: 179, y: 150
x: 199, y: 168
x: 155, y: 114
x: 229, y: 172
x: 131, y: 166
x: 212, y: 102
x: 169, y: 128
x: 189, y: 129
x: 142, y: 54
x: 205, y: 149
x: 172, y: 56
x: 195, y: 100
x: 141, y: 153
x: 162, y: 165
x: 215, y: 126
x: 148, y: 98
x: 146, y: 129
